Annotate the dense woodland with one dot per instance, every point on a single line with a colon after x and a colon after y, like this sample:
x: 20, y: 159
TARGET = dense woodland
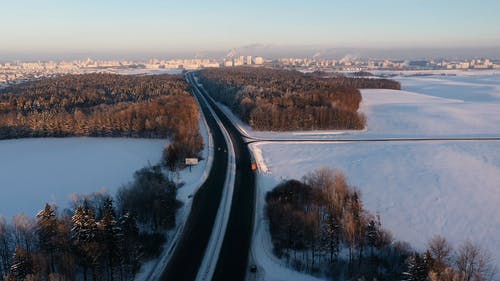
x: 103, y: 105
x: 270, y: 99
x: 96, y: 239
x: 318, y: 225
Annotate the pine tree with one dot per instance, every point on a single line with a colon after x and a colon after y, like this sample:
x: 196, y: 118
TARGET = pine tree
x: 130, y: 250
x: 333, y: 234
x: 373, y: 234
x: 47, y: 233
x: 427, y: 263
x: 21, y: 264
x: 411, y: 268
x: 418, y: 269
x: 111, y: 237
x: 359, y: 224
x: 84, y: 238
x: 171, y: 157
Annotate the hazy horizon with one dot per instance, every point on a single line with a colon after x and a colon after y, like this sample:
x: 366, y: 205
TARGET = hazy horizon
x: 56, y: 29
x: 269, y: 51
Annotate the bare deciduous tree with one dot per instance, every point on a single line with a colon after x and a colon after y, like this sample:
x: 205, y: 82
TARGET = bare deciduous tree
x: 474, y: 263
x: 5, y: 247
x: 24, y: 232
x: 441, y: 251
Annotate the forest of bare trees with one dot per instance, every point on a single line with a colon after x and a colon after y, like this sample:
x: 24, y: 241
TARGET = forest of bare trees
x: 318, y: 225
x: 97, y: 238
x: 270, y: 99
x: 104, y: 105
x: 440, y: 262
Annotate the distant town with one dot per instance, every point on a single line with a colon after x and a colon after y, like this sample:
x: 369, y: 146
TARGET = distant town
x: 20, y: 71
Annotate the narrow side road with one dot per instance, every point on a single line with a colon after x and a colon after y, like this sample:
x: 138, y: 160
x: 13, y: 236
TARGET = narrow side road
x: 251, y: 140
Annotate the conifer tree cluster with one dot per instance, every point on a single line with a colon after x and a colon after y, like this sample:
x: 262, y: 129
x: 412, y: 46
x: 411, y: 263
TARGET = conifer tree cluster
x: 96, y: 239
x: 440, y: 263
x: 103, y: 105
x: 313, y: 221
x: 78, y: 247
x: 318, y: 225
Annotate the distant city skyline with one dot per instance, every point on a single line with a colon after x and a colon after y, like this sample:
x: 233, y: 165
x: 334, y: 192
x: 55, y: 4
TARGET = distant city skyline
x: 58, y: 29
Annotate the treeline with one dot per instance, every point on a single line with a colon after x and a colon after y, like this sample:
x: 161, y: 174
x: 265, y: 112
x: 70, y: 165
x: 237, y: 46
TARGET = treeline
x: 315, y: 221
x: 270, y: 99
x: 97, y: 239
x: 318, y: 225
x: 103, y: 105
x: 441, y: 263
x: 368, y: 83
x: 357, y: 81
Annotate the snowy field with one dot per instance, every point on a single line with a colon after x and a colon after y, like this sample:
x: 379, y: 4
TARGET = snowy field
x: 420, y: 189
x: 463, y: 105
x: 393, y: 113
x: 466, y: 105
x: 36, y: 171
x: 191, y: 180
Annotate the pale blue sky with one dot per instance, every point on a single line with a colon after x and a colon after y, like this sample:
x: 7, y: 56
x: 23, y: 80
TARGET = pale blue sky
x: 152, y: 27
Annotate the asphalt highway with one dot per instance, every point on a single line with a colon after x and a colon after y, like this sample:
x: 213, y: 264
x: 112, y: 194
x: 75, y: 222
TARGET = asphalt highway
x: 234, y: 252
x: 188, y: 254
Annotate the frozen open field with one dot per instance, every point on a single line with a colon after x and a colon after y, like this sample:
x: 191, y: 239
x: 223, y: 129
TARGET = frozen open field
x: 420, y: 189
x: 430, y: 106
x: 440, y: 106
x: 35, y: 171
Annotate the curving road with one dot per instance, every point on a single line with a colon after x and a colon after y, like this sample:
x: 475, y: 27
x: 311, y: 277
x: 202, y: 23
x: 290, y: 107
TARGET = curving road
x: 234, y: 254
x: 190, y: 249
x: 189, y: 253
x: 229, y: 261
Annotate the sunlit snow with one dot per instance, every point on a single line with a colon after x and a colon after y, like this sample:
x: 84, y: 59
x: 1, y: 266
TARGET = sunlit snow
x: 420, y: 189
x: 35, y: 171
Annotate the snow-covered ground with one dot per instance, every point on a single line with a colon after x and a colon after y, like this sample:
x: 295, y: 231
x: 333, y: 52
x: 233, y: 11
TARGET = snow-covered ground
x: 36, y: 171
x: 444, y: 72
x: 429, y: 106
x: 192, y: 179
x: 462, y: 105
x: 269, y: 267
x: 420, y: 189
x: 246, y: 130
x: 393, y: 113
